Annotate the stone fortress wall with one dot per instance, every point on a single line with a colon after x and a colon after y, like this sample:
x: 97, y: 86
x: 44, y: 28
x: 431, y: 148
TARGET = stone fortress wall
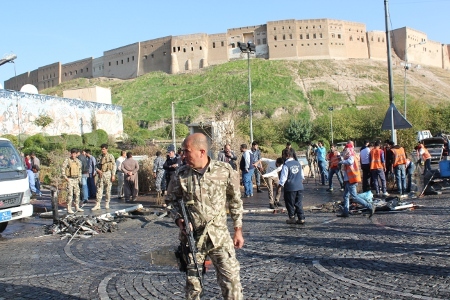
x: 284, y: 39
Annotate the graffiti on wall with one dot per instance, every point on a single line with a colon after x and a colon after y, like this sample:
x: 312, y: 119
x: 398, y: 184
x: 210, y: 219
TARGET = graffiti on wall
x: 19, y: 111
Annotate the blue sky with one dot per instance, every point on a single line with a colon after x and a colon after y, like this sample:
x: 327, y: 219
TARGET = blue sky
x: 48, y: 31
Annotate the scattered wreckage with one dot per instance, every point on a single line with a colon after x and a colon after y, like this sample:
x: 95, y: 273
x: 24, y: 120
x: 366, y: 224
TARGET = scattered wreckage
x: 388, y: 204
x: 86, y: 226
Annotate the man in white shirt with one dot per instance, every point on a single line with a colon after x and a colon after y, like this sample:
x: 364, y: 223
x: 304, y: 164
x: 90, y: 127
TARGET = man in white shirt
x: 120, y: 174
x: 364, y: 156
x: 271, y: 177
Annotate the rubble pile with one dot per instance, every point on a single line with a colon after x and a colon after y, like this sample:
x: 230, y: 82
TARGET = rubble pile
x: 86, y: 226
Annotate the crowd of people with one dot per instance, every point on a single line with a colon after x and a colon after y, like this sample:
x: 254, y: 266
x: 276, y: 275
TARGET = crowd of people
x: 210, y: 188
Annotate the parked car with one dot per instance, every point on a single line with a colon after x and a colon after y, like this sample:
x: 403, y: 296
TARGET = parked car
x: 437, y: 146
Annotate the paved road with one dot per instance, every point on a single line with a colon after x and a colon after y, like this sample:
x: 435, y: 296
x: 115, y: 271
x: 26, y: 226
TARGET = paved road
x: 402, y: 255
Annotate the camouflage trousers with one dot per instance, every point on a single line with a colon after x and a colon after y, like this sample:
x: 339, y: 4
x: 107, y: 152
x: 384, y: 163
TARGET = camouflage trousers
x: 104, y: 181
x: 120, y: 184
x: 73, y: 187
x: 159, y: 180
x: 227, y: 267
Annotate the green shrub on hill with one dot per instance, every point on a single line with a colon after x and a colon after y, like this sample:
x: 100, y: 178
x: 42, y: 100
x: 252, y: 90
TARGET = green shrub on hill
x: 72, y: 141
x: 37, y: 141
x: 95, y: 138
x: 55, y: 142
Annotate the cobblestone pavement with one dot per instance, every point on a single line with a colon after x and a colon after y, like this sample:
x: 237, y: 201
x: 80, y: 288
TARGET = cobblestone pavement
x: 393, y: 255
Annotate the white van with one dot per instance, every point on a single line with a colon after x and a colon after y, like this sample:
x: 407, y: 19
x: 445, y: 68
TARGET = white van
x: 15, y: 191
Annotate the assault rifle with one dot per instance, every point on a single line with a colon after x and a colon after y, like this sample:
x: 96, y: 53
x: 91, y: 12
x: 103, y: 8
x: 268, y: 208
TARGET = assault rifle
x: 183, y: 253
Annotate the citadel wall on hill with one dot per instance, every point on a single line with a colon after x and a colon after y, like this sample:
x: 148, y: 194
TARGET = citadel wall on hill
x: 284, y: 39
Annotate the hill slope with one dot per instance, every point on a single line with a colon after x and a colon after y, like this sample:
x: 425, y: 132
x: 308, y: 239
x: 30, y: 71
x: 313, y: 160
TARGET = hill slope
x: 278, y: 88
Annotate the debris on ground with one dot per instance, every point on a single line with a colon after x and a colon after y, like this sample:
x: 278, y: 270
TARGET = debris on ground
x: 387, y: 204
x: 86, y: 226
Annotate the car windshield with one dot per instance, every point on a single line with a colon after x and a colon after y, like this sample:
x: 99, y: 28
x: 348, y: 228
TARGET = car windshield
x: 9, y: 158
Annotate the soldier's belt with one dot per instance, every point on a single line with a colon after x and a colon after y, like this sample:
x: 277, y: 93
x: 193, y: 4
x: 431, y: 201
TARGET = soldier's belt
x: 73, y: 177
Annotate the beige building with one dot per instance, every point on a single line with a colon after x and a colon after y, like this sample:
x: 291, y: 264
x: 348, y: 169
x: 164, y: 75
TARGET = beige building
x: 94, y: 94
x: 77, y: 69
x: 413, y: 46
x: 189, y: 52
x: 446, y: 57
x: 283, y: 39
x: 376, y: 41
x: 97, y: 67
x: 316, y: 39
x: 49, y: 76
x: 122, y: 62
x: 155, y: 55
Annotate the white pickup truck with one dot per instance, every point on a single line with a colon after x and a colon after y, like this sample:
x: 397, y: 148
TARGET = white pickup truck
x: 15, y: 191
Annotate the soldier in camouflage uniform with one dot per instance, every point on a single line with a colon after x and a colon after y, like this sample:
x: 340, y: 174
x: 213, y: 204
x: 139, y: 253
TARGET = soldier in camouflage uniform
x: 71, y: 171
x: 106, y: 170
x: 158, y: 173
x: 208, y: 186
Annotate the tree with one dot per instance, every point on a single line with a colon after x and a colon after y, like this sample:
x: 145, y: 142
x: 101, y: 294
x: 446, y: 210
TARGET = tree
x: 181, y: 130
x: 43, y: 121
x: 298, y: 131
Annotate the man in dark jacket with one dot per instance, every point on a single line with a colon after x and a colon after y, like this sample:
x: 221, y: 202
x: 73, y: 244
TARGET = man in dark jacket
x: 172, y: 162
x: 291, y: 179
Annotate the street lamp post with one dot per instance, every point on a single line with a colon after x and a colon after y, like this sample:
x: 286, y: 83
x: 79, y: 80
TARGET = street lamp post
x: 406, y: 68
x: 248, y: 48
x: 330, y: 108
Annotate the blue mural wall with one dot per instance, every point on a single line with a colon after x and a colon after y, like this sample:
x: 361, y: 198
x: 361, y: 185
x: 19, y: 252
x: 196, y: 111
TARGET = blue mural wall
x: 19, y: 110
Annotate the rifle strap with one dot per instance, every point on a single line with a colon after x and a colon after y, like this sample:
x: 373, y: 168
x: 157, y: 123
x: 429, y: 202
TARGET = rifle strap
x: 201, y: 240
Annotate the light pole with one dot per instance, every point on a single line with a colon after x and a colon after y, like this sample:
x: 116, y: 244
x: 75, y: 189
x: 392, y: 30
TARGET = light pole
x: 248, y: 48
x: 407, y: 67
x: 330, y: 108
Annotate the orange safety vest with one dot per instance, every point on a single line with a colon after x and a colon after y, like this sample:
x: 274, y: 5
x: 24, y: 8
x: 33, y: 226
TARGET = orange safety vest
x: 334, y: 160
x: 399, y: 156
x: 426, y: 155
x: 375, y: 159
x: 353, y: 173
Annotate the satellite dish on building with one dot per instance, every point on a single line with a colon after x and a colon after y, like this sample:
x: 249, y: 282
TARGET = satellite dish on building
x: 29, y: 88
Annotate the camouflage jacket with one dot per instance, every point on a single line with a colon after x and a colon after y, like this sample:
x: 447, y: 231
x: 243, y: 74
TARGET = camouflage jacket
x: 66, y: 166
x: 207, y: 202
x: 106, y: 163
